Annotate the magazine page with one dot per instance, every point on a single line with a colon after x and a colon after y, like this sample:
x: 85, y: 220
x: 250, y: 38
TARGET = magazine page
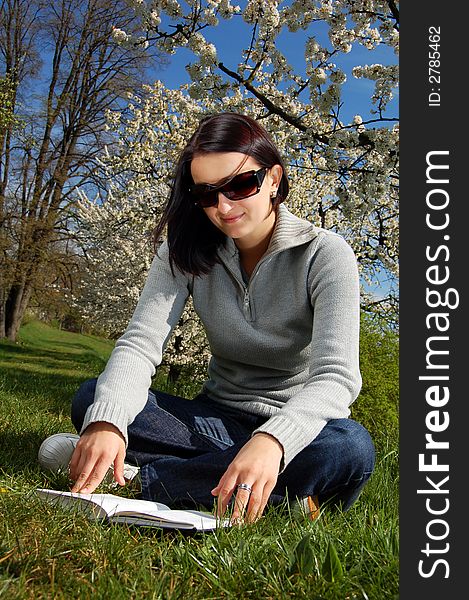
x: 173, y: 519
x: 132, y: 510
x: 108, y: 503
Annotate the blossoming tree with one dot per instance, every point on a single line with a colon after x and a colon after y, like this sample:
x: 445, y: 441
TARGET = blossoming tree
x: 344, y: 175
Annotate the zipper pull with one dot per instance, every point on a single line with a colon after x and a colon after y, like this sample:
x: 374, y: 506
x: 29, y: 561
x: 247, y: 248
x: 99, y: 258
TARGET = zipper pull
x: 246, y: 300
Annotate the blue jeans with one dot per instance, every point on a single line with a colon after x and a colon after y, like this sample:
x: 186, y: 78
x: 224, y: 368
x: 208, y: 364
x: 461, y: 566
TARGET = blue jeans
x: 183, y: 447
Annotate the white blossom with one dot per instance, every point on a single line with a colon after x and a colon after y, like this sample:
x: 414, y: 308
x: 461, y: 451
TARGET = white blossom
x: 119, y: 36
x: 318, y: 76
x: 154, y: 19
x: 343, y: 176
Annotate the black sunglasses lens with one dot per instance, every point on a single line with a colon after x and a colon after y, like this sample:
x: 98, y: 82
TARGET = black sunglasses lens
x: 204, y: 195
x: 206, y: 199
x: 241, y: 186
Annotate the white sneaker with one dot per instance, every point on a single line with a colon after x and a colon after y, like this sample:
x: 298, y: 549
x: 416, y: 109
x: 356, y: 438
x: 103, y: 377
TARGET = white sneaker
x: 56, y: 451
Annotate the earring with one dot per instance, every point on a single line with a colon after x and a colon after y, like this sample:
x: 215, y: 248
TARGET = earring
x: 273, y: 194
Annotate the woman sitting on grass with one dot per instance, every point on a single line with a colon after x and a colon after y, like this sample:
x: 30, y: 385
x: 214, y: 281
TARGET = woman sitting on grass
x: 279, y: 301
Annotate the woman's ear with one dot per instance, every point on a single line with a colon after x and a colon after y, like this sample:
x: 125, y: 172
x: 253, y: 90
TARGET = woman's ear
x: 276, y: 173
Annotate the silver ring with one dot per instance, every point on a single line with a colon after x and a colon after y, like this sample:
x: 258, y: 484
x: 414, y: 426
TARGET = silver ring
x: 245, y: 486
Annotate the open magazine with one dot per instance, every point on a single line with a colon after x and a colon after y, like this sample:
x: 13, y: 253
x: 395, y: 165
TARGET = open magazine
x: 116, y: 509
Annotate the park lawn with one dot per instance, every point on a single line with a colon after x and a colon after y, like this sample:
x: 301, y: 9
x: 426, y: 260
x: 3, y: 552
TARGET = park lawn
x: 48, y: 553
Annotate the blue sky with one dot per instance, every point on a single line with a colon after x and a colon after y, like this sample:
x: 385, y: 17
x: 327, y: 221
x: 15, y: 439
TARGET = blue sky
x: 232, y: 36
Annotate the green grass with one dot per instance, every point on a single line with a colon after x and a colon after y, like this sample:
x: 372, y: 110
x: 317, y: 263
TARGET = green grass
x: 47, y: 553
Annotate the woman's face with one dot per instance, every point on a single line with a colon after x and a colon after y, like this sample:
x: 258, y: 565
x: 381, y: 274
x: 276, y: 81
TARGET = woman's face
x: 247, y: 221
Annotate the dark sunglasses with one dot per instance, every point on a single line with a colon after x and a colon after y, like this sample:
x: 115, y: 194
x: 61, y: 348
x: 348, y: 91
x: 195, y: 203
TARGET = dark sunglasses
x: 240, y: 187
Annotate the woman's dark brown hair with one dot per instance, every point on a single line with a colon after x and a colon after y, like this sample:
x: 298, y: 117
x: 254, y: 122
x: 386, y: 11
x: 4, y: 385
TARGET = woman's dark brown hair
x: 193, y: 240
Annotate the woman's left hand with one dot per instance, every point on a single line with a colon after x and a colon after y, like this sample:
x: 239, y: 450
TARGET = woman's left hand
x: 257, y: 464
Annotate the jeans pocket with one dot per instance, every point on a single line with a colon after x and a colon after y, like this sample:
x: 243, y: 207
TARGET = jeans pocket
x: 213, y: 429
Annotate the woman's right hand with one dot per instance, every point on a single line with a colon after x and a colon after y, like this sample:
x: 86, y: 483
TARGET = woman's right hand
x: 100, y: 446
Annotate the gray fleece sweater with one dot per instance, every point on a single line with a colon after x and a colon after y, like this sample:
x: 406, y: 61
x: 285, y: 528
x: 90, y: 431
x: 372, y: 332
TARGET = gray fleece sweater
x: 284, y: 345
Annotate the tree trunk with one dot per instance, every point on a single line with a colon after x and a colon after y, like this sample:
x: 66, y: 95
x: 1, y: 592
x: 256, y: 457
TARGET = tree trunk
x: 86, y: 74
x: 2, y: 316
x: 15, y: 307
x: 174, y: 373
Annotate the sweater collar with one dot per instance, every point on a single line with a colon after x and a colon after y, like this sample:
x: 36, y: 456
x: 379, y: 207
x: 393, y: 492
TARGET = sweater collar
x: 289, y: 231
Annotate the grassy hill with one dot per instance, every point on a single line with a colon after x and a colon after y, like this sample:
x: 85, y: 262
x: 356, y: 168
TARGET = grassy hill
x: 38, y: 377
x: 49, y: 553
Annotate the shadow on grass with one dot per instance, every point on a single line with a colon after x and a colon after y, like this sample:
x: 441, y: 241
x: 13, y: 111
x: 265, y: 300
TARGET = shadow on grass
x: 48, y: 378
x: 19, y: 450
x: 85, y: 355
x: 53, y: 390
x: 74, y: 347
